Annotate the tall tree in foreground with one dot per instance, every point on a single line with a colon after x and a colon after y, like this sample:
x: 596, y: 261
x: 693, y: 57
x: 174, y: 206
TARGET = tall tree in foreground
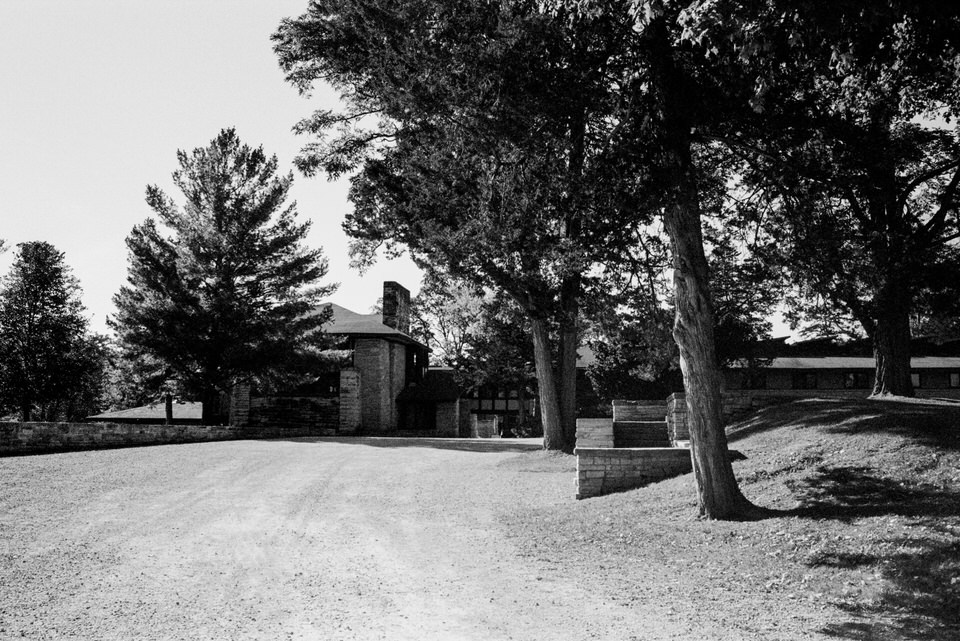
x: 42, y: 331
x: 855, y: 140
x: 230, y: 294
x: 483, y: 142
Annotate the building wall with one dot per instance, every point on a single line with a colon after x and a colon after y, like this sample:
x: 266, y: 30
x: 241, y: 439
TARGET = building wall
x: 382, y: 368
x: 350, y: 409
x: 294, y: 415
x: 837, y: 380
x: 371, y: 357
x: 397, y: 381
x: 448, y: 418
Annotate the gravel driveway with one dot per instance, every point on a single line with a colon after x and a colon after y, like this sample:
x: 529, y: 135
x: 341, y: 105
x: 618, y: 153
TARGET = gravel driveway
x: 302, y: 539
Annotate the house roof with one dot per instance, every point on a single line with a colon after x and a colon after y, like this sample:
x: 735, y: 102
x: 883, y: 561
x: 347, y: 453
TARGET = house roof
x: 182, y: 410
x: 349, y: 323
x: 858, y: 362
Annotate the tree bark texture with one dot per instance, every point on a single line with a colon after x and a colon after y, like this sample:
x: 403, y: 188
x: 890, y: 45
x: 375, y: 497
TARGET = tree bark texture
x: 891, y: 342
x: 718, y: 495
x: 567, y: 367
x: 553, y: 437
x: 211, y: 407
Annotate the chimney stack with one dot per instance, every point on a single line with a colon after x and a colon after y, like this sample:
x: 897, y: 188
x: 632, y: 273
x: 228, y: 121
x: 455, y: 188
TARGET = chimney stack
x: 396, y: 306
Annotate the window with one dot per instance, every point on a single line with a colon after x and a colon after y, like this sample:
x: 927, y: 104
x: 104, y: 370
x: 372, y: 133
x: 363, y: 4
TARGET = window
x: 856, y: 380
x: 804, y: 380
x: 954, y: 379
x: 753, y: 379
x: 915, y: 379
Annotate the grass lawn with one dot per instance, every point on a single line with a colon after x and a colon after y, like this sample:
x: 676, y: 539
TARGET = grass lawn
x: 865, y: 543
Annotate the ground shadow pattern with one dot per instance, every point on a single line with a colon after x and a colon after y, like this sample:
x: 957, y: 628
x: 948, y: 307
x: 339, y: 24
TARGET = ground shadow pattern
x: 920, y: 565
x: 922, y: 575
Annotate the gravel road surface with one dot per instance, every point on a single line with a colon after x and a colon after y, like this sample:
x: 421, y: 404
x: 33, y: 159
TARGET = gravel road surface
x: 301, y: 539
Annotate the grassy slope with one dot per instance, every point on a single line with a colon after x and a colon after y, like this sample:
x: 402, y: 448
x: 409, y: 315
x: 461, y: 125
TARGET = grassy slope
x: 866, y: 546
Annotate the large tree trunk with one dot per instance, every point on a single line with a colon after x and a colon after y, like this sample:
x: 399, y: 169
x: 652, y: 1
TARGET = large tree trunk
x: 211, y: 407
x: 718, y: 495
x: 553, y: 436
x: 567, y: 366
x: 891, y: 342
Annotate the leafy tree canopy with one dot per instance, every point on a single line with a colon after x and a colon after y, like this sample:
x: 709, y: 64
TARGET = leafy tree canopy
x: 483, y: 139
x: 852, y: 149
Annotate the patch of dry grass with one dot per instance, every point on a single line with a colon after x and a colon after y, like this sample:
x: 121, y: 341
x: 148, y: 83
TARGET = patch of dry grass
x: 865, y: 543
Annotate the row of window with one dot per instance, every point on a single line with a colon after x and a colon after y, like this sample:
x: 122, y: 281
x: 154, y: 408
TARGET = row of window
x: 863, y: 380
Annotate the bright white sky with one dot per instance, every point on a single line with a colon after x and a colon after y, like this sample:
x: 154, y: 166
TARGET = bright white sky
x: 97, y: 96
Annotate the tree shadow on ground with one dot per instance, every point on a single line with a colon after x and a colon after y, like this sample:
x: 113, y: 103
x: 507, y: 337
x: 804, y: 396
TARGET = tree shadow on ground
x: 492, y: 445
x: 925, y: 422
x: 921, y: 571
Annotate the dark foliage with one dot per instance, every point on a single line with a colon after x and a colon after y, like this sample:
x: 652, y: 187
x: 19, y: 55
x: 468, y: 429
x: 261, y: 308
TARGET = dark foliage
x: 231, y: 294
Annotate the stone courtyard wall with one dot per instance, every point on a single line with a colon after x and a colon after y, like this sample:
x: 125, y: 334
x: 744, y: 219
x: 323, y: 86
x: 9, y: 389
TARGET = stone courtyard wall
x: 35, y: 438
x: 278, y: 416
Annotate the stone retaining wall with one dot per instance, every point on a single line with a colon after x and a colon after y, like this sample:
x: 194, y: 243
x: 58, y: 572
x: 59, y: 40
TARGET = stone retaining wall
x: 645, y: 410
x: 602, y: 471
x: 305, y: 415
x: 594, y: 432
x: 34, y: 438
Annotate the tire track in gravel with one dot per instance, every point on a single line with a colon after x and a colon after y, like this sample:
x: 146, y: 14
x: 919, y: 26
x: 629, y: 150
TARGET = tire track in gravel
x: 307, y: 539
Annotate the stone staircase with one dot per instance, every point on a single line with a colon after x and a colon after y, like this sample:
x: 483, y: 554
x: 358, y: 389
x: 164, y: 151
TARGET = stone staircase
x: 640, y: 424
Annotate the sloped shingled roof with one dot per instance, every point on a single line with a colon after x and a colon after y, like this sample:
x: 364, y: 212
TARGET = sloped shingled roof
x: 349, y: 323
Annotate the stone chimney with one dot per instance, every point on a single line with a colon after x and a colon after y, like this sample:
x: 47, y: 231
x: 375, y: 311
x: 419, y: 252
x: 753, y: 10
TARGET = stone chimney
x: 396, y: 306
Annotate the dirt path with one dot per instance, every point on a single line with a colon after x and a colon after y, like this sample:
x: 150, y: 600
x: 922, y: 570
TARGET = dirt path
x: 351, y: 539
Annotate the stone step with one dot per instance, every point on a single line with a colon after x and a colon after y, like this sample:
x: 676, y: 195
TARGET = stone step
x: 639, y: 411
x: 640, y: 434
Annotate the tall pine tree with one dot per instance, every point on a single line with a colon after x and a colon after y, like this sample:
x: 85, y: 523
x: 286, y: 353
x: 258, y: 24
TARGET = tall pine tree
x: 230, y: 295
x: 42, y: 331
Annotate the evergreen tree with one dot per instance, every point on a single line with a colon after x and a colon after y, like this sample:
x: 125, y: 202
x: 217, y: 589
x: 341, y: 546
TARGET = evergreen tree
x: 43, y: 344
x: 230, y: 295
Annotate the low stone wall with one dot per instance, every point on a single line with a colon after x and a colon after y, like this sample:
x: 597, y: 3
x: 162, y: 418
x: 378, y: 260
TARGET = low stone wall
x: 34, y: 438
x: 300, y: 415
x: 594, y: 432
x: 602, y: 471
x: 644, y: 410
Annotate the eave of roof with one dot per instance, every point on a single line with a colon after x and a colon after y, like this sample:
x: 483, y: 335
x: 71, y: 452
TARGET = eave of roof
x: 345, y: 322
x: 853, y: 362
